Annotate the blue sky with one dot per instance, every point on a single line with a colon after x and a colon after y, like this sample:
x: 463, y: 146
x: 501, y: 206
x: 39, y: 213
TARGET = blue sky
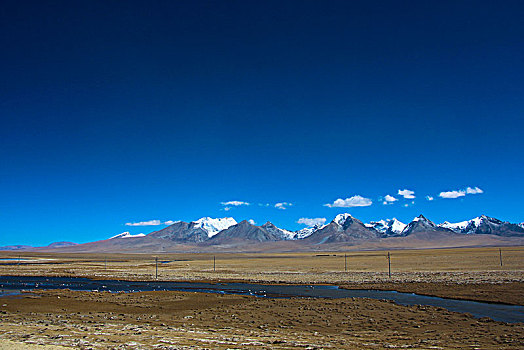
x: 115, y: 113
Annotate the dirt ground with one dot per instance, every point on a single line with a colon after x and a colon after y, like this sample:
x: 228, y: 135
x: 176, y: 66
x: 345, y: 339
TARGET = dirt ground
x: 176, y: 320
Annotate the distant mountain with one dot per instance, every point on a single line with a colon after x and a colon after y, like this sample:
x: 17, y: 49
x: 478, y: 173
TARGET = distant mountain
x: 61, y: 244
x: 344, y: 228
x: 16, y: 247
x: 485, y: 225
x: 421, y: 224
x: 389, y: 227
x: 247, y: 232
x: 29, y: 247
x: 197, y: 231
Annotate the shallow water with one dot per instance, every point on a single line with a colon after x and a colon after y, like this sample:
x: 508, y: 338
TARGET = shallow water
x: 497, y: 312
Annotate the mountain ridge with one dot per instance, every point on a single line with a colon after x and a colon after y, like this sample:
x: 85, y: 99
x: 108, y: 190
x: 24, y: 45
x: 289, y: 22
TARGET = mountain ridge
x: 343, y: 230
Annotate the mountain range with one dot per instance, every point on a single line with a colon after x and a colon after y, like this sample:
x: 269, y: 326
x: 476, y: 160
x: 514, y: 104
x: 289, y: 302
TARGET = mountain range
x: 343, y: 228
x: 209, y: 233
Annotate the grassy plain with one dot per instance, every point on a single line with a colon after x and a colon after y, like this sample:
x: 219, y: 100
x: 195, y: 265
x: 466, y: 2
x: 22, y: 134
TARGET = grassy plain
x: 173, y: 320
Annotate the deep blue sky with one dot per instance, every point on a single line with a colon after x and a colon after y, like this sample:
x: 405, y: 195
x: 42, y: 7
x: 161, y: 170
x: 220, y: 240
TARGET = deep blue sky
x: 115, y: 112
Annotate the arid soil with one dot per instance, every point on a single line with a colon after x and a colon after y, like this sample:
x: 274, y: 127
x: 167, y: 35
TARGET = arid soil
x: 192, y: 320
x: 176, y: 320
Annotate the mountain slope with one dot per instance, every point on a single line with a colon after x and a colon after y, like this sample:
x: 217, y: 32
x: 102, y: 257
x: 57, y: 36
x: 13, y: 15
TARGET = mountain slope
x: 344, y: 228
x: 421, y: 224
x: 247, y: 232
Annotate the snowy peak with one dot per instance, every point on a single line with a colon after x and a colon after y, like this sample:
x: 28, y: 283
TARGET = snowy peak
x: 278, y: 232
x: 456, y: 226
x: 422, y: 218
x: 342, y: 218
x: 421, y: 224
x: 389, y: 227
x: 470, y: 226
x: 308, y: 231
x: 127, y: 235
x: 213, y: 226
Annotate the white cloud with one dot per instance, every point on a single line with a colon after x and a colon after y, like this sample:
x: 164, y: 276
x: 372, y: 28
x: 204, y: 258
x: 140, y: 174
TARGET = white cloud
x: 234, y: 203
x: 252, y: 222
x: 452, y: 194
x: 460, y: 193
x: 170, y: 222
x: 389, y: 198
x: 429, y: 198
x: 310, y: 222
x: 355, y: 201
x: 283, y: 205
x: 474, y: 190
x: 144, y: 223
x: 407, y: 194
x: 227, y: 208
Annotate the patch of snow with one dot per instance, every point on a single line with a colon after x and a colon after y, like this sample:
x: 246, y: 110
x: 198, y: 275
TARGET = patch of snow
x: 397, y: 226
x: 288, y: 235
x: 457, y: 226
x: 341, y: 218
x: 127, y: 235
x: 306, y: 232
x: 213, y: 226
x: 383, y: 226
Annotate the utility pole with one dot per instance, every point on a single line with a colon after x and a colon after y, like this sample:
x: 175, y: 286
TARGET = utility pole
x: 389, y: 265
x: 214, y: 263
x: 345, y: 263
x: 156, y: 267
x: 500, y: 256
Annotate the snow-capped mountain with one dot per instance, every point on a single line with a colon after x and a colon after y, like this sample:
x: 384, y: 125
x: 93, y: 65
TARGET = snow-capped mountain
x: 127, y: 235
x: 247, y: 232
x: 485, y: 225
x: 343, y: 228
x: 389, y: 227
x: 306, y: 232
x: 279, y: 232
x: 200, y: 230
x: 340, y: 219
x: 422, y: 224
x: 214, y: 226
